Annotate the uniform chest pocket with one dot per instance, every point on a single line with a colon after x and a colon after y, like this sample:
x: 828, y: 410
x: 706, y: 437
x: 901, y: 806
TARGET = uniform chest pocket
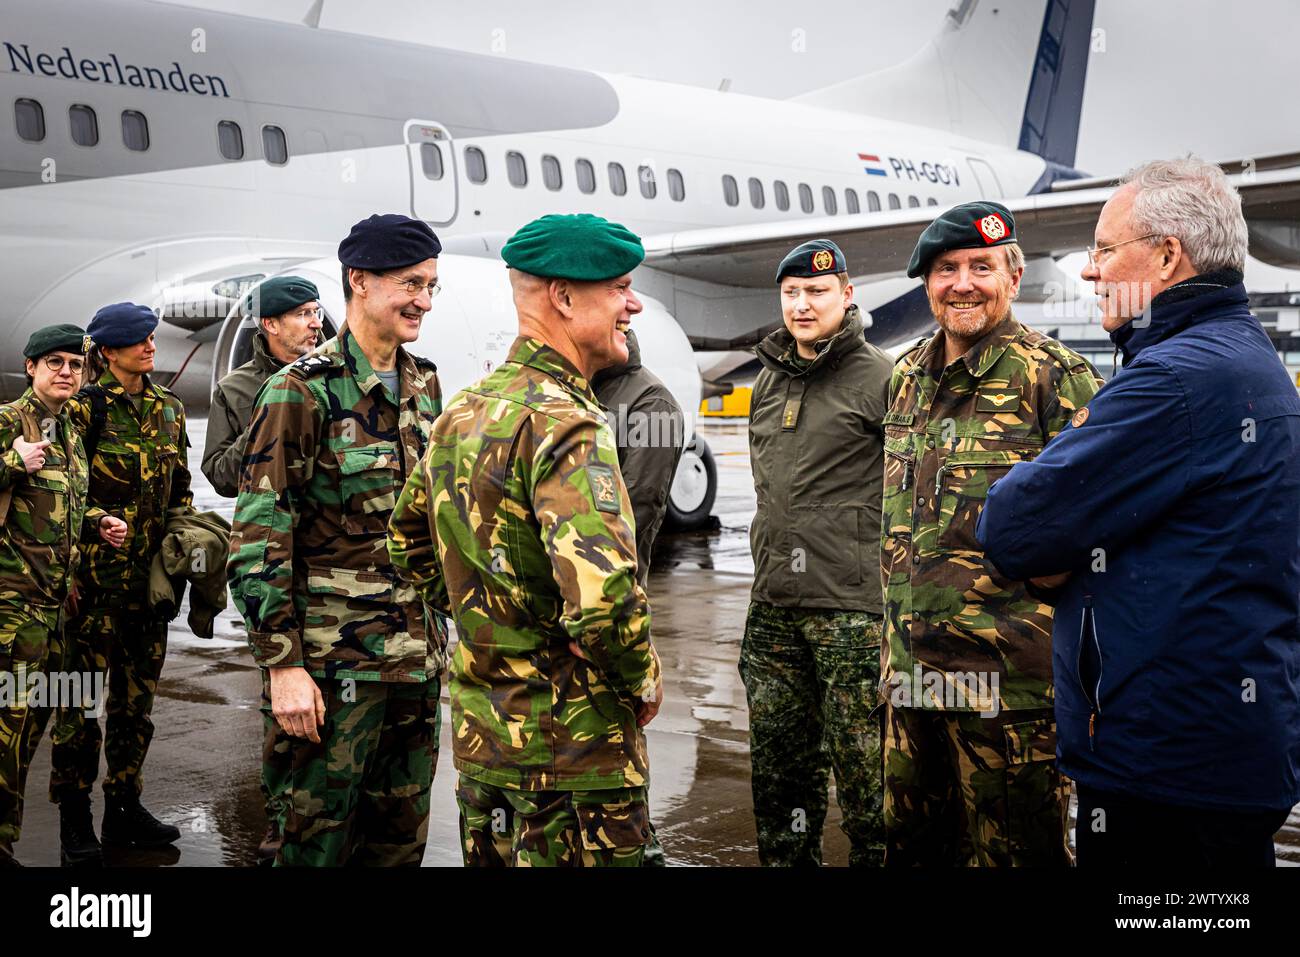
x: 368, y: 488
x: 964, y: 480
x: 47, y: 499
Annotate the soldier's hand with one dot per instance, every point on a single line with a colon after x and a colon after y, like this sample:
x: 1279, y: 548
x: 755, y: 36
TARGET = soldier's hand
x: 296, y: 703
x: 646, y: 710
x: 112, y: 531
x: 32, y: 453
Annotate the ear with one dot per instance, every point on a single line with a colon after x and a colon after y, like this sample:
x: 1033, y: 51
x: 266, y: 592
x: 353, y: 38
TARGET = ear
x: 848, y: 294
x: 1015, y: 281
x: 358, y: 277
x: 1171, y: 255
x: 560, y: 293
x: 30, y: 365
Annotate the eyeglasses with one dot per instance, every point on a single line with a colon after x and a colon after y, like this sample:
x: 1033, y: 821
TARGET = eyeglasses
x: 414, y: 286
x: 1093, y: 250
x: 55, y: 364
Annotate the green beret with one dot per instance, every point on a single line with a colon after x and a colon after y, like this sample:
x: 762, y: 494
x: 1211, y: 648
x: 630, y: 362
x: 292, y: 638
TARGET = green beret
x: 579, y: 246
x: 64, y: 337
x: 279, y: 294
x: 968, y: 226
x: 817, y: 257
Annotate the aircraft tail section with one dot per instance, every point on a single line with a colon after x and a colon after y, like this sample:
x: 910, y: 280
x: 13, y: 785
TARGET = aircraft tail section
x: 1005, y: 71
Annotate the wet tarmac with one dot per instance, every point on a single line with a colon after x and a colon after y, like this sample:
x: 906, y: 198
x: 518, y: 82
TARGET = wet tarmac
x: 203, y: 766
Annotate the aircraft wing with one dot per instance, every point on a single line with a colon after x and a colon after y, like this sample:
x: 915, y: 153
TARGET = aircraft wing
x: 878, y: 245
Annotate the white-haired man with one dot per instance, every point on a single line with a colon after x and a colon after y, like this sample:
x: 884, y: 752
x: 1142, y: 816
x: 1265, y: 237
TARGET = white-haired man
x: 1169, y: 509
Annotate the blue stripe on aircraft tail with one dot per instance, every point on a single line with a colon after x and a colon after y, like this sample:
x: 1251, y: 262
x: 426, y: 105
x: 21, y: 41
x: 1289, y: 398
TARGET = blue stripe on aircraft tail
x: 1050, y: 126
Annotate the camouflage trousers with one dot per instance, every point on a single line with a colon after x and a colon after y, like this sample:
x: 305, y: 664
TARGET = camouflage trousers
x: 361, y: 796
x: 966, y: 790
x: 27, y: 648
x: 276, y: 766
x: 503, y: 827
x: 811, y: 679
x: 129, y: 644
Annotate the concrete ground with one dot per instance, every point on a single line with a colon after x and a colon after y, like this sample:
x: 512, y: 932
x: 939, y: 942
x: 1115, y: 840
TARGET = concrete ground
x: 202, y: 771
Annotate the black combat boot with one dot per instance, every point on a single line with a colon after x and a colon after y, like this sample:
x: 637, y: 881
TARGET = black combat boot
x: 78, y: 846
x: 127, y: 822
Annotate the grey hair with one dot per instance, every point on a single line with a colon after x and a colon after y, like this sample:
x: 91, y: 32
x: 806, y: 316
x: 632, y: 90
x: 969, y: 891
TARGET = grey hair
x: 1192, y: 201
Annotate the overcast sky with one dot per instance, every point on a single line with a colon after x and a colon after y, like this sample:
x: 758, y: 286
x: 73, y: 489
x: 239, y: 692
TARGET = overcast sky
x: 1204, y: 76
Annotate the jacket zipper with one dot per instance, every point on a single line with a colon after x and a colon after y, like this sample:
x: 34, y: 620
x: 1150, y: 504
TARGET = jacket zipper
x: 1095, y: 699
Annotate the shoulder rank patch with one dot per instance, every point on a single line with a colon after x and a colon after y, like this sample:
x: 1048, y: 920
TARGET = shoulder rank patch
x: 424, y: 363
x: 604, y: 487
x: 998, y: 400
x: 1079, y: 417
x: 309, y: 365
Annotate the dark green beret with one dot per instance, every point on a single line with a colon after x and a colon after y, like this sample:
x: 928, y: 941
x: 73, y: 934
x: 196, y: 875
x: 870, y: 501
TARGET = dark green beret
x: 279, y: 294
x: 578, y: 246
x: 817, y: 257
x: 968, y: 226
x: 64, y: 337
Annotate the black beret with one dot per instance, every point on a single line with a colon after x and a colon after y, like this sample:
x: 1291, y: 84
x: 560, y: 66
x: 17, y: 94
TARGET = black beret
x: 64, y: 337
x: 388, y: 241
x: 578, y: 246
x: 968, y: 226
x: 122, y: 324
x: 817, y: 257
x: 279, y: 294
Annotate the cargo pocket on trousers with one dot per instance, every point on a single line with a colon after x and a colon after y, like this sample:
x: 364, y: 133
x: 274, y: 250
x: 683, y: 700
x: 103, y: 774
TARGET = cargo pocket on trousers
x: 617, y: 829
x: 1037, y: 794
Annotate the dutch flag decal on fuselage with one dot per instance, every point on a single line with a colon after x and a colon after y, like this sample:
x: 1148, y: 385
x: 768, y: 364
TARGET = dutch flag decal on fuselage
x: 874, y: 167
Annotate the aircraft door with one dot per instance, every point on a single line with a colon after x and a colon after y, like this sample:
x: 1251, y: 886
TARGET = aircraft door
x: 985, y: 178
x: 432, y: 162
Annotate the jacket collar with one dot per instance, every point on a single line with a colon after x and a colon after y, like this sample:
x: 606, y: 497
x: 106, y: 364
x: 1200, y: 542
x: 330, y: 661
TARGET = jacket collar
x: 1180, y: 307
x: 364, y: 373
x: 979, y: 358
x: 108, y: 382
x: 632, y: 365
x: 535, y: 354
x: 38, y: 408
x: 777, y: 351
x: 262, y: 355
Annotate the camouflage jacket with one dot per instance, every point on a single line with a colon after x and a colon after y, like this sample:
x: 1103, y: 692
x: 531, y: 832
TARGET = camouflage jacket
x: 139, y: 471
x: 46, y: 514
x: 327, y: 452
x: 519, y: 524
x: 950, y: 433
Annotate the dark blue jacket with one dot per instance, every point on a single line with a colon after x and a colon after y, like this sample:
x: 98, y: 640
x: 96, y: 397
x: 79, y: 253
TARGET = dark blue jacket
x: 1175, y: 503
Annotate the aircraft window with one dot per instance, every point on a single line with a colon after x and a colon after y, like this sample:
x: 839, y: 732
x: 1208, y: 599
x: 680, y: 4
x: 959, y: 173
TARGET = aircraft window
x: 475, y: 165
x: 646, y: 176
x: 617, y: 179
x: 805, y: 198
x: 30, y: 117
x: 135, y: 131
x: 586, y: 176
x: 431, y: 160
x: 782, y: 194
x: 676, y: 185
x: 931, y: 202
x: 275, y: 146
x: 230, y: 140
x: 85, y: 125
x: 551, y: 177
x: 873, y: 201
x: 828, y: 201
x: 516, y: 168
x: 730, y: 191
x: 893, y: 201
x: 851, y: 202
x: 912, y: 201
x: 756, y: 197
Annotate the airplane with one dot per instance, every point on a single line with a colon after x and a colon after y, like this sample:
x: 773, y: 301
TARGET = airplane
x: 179, y: 156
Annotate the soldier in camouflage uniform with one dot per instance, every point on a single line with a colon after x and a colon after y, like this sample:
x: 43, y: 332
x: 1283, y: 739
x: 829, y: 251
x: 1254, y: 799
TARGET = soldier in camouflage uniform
x: 134, y: 433
x: 288, y: 316
x: 519, y: 524
x: 348, y: 648
x: 970, y: 739
x: 43, y: 515
x: 811, y: 651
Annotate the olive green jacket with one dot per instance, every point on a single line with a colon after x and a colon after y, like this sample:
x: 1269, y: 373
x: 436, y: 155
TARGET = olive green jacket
x: 232, y: 407
x: 816, y: 443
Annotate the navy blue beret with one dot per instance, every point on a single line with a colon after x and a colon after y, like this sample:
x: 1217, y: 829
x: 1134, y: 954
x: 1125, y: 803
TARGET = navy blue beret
x: 817, y: 257
x: 388, y: 241
x: 122, y: 324
x: 968, y: 226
